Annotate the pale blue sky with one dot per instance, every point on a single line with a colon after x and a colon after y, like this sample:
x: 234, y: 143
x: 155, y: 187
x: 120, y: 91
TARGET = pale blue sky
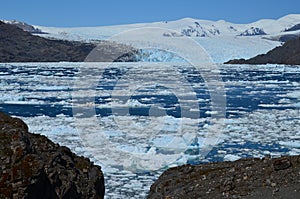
x: 110, y: 12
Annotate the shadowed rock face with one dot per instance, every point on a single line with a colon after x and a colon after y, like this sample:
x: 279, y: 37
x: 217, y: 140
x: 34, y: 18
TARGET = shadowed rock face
x: 294, y: 28
x: 17, y: 45
x: 33, y: 167
x: 247, y: 178
x: 289, y: 54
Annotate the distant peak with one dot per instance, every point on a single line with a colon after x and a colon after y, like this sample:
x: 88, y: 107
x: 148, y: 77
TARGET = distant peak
x: 189, y: 18
x: 290, y: 16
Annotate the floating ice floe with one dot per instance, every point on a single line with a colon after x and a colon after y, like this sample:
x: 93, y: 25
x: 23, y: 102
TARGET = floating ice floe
x: 292, y: 144
x: 271, y: 127
x: 230, y: 157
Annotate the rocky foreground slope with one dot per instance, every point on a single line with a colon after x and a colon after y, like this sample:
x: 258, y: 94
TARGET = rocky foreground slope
x: 288, y: 54
x: 33, y: 167
x: 248, y: 178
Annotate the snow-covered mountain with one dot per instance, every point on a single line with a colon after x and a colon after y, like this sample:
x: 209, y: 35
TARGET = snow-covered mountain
x: 186, y: 27
x: 221, y: 39
x: 253, y: 31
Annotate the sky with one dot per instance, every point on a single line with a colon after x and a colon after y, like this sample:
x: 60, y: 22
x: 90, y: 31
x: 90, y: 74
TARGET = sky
x: 74, y: 13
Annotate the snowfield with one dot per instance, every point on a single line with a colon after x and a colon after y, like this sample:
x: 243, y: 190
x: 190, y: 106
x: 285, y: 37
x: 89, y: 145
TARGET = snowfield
x: 222, y: 40
x: 192, y: 27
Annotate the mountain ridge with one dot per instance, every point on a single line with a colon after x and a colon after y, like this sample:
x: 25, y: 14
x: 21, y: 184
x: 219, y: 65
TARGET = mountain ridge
x: 186, y: 26
x: 17, y: 45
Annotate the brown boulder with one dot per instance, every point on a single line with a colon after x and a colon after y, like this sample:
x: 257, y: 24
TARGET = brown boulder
x: 246, y: 178
x: 34, y: 167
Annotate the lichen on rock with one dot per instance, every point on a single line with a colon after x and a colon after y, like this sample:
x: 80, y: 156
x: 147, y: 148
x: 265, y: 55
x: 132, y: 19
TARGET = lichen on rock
x: 34, y: 167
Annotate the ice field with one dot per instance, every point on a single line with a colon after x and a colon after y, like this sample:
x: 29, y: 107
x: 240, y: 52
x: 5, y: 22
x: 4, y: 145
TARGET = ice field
x: 167, y: 119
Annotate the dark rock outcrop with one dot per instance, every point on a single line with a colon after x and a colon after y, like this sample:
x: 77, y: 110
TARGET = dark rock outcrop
x: 24, y: 26
x: 33, y: 167
x: 253, y: 32
x: 247, y: 178
x: 288, y: 54
x: 287, y: 37
x: 294, y: 28
x: 108, y: 51
x: 17, y: 45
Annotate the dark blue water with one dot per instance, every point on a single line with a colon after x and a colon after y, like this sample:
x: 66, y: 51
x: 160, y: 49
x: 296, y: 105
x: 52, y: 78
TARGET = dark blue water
x: 30, y: 90
x: 238, y: 96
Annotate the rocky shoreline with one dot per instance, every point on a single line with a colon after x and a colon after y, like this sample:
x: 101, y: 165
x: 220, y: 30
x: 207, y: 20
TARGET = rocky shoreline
x: 34, y: 167
x: 246, y: 178
x: 288, y: 53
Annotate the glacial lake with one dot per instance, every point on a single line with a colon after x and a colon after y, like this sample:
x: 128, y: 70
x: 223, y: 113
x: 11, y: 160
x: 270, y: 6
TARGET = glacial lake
x: 136, y: 120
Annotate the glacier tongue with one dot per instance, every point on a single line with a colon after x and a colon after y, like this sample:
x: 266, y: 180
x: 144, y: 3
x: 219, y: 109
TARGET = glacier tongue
x: 220, y: 49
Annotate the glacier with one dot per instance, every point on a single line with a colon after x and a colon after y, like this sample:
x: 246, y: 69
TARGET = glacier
x: 222, y: 40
